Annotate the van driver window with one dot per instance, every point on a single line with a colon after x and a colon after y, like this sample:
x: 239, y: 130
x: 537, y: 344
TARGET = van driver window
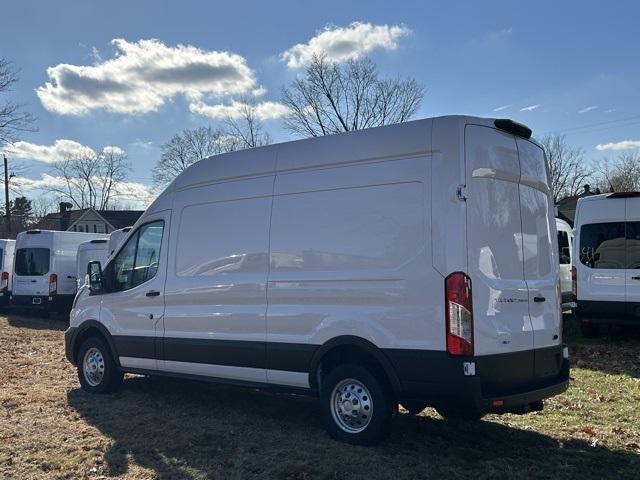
x: 137, y: 262
x: 603, y: 245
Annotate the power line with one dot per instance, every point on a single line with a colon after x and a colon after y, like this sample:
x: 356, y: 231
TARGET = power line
x: 635, y: 119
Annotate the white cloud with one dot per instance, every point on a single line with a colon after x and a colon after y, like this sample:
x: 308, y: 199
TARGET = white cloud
x: 530, y: 108
x: 142, y: 76
x: 503, y: 107
x: 263, y: 110
x: 60, y: 150
x: 135, y: 194
x: 623, y: 145
x: 588, y: 109
x: 345, y: 43
x: 611, y: 110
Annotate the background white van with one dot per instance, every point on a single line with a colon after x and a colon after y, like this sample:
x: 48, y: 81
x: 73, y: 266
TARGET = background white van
x: 565, y: 248
x: 97, y: 249
x: 414, y: 263
x: 607, y: 261
x: 7, y: 248
x: 44, y: 273
x: 116, y: 237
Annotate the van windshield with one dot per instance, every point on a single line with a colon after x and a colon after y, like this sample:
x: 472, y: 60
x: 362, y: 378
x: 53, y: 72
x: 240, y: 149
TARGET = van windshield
x: 32, y: 261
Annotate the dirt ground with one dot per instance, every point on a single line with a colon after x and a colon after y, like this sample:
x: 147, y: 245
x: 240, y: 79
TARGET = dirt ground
x: 161, y: 428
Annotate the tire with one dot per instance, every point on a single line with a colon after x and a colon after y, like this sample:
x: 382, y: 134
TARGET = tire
x: 96, y: 356
x: 414, y: 407
x: 456, y: 412
x: 590, y: 330
x: 354, y: 386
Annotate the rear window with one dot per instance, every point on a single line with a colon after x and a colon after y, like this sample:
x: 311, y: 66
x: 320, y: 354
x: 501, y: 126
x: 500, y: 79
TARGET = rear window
x: 563, y: 247
x: 603, y: 245
x: 633, y: 245
x: 32, y: 261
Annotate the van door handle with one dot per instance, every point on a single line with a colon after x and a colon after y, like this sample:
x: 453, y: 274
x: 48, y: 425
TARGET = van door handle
x: 635, y: 278
x: 152, y: 293
x: 539, y: 299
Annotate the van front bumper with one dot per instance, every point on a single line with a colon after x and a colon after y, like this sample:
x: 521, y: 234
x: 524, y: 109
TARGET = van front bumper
x: 511, y: 382
x: 55, y: 303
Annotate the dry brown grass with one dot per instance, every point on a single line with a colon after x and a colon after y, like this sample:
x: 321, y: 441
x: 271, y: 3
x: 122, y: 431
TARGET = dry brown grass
x: 160, y: 428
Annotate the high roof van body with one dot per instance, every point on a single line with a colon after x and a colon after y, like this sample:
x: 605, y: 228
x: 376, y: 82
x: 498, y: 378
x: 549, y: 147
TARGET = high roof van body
x: 7, y: 249
x: 97, y: 249
x: 607, y: 261
x: 44, y: 271
x: 413, y: 263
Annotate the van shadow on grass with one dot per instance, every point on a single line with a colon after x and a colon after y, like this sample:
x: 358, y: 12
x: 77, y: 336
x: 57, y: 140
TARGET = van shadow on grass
x: 36, y: 320
x: 616, y: 351
x: 185, y: 430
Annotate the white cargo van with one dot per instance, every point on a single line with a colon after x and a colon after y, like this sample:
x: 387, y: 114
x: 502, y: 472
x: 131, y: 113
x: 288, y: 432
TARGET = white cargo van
x: 116, y: 237
x: 44, y: 272
x: 97, y: 249
x: 414, y: 264
x: 565, y: 246
x: 607, y: 266
x: 7, y: 249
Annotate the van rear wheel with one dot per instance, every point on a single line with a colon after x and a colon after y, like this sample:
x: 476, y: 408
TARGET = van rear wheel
x: 97, y: 371
x: 357, y: 406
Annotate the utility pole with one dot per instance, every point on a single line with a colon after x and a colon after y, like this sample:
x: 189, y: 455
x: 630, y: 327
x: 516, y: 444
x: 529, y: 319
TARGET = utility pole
x: 6, y: 196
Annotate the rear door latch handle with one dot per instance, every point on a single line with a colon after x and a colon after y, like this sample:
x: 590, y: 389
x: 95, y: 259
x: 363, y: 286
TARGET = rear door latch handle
x: 635, y: 278
x: 539, y: 299
x: 152, y: 293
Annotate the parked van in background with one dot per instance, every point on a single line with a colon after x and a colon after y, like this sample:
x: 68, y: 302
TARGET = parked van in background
x: 413, y: 263
x: 7, y: 249
x: 607, y: 266
x: 97, y: 249
x: 565, y: 247
x: 116, y: 237
x: 44, y: 274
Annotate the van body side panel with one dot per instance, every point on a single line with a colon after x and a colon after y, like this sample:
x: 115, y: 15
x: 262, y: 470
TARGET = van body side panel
x: 495, y: 241
x: 539, y: 241
x: 215, y: 292
x: 349, y: 256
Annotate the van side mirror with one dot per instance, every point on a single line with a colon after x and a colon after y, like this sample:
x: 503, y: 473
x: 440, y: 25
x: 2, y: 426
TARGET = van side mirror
x: 94, y: 271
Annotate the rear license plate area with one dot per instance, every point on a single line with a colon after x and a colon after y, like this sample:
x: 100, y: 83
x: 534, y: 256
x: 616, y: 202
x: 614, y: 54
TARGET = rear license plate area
x: 36, y: 301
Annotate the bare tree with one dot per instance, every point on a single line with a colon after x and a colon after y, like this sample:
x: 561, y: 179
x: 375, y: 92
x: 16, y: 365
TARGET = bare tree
x: 90, y: 180
x: 247, y: 129
x: 13, y: 120
x: 333, y: 98
x: 187, y: 148
x: 567, y: 166
x: 621, y: 174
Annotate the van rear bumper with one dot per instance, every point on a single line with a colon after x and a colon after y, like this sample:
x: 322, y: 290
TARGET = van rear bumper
x: 502, y: 383
x: 55, y: 303
x: 4, y: 298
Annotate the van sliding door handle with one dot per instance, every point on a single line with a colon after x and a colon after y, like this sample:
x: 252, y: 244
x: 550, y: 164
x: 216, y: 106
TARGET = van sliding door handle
x: 635, y: 278
x: 152, y: 293
x: 539, y: 299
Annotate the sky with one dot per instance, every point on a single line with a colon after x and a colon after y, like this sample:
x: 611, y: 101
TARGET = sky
x: 131, y: 74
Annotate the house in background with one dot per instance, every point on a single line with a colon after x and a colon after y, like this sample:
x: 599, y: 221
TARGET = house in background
x: 567, y: 206
x: 87, y: 220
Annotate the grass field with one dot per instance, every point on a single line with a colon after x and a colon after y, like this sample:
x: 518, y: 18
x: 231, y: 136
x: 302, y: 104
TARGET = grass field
x: 159, y: 428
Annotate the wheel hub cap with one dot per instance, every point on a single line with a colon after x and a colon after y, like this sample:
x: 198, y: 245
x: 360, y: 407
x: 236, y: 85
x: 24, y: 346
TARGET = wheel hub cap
x: 93, y: 367
x: 351, y: 406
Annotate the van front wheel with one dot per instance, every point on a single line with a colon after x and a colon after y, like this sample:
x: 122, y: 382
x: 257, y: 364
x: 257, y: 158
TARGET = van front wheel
x: 97, y: 371
x: 357, y: 406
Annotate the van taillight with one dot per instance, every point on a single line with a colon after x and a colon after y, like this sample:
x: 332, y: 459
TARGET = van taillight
x: 459, y: 314
x: 53, y: 284
x: 4, y: 283
x: 574, y: 283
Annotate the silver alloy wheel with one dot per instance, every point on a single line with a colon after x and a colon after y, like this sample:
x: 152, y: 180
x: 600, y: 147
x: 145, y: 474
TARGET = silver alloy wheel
x: 93, y: 366
x: 351, y: 405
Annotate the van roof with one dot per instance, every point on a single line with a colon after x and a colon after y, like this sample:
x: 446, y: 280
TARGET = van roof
x: 409, y: 138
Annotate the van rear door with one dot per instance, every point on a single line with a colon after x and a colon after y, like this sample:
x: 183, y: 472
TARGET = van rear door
x: 32, y: 265
x: 541, y: 263
x: 495, y: 245
x: 633, y: 258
